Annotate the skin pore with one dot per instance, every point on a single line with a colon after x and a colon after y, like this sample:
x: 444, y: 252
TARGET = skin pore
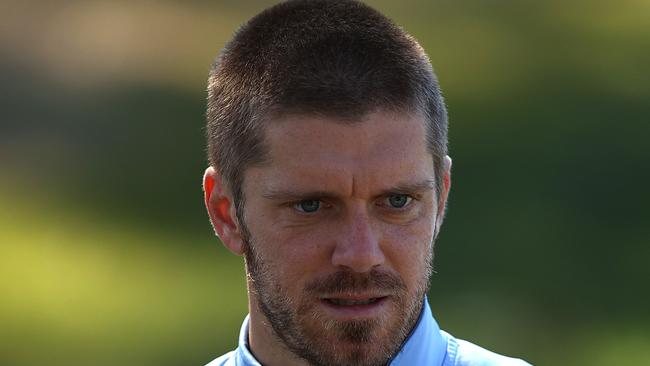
x: 337, y: 233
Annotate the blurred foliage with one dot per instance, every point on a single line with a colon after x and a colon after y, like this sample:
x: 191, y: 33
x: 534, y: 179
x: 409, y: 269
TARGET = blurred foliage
x: 106, y: 254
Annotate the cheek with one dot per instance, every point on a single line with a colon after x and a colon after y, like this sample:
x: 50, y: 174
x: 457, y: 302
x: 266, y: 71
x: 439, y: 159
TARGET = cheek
x: 292, y: 254
x: 407, y: 247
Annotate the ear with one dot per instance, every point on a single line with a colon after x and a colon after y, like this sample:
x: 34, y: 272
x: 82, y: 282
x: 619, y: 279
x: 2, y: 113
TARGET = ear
x: 444, y: 194
x: 222, y: 211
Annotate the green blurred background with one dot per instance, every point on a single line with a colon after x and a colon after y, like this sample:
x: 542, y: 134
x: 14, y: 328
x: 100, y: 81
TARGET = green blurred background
x: 106, y: 253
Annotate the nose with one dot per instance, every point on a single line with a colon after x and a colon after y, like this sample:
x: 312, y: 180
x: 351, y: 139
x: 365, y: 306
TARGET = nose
x: 357, y: 244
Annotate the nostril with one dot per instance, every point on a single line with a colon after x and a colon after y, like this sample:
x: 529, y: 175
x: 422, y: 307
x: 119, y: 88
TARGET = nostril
x: 358, y: 256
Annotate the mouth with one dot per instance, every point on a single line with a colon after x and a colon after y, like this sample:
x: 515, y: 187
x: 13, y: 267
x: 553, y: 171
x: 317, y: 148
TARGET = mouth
x: 351, y: 302
x: 354, y: 307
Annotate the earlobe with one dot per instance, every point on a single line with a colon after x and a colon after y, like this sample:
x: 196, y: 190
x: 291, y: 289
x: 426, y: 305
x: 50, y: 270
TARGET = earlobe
x: 221, y: 211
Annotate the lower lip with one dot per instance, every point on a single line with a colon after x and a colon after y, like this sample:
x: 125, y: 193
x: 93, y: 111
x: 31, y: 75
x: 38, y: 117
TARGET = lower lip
x: 355, y: 312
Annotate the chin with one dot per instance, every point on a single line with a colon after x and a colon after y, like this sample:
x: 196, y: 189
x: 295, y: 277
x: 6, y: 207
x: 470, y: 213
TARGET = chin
x: 366, y: 342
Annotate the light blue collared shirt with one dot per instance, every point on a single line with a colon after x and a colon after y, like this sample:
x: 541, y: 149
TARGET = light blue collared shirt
x: 426, y: 345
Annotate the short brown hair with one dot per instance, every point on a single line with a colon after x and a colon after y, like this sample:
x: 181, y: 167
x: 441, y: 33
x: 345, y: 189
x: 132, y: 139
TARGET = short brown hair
x: 337, y: 58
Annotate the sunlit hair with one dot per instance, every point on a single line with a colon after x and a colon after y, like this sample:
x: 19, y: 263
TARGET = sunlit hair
x: 332, y: 58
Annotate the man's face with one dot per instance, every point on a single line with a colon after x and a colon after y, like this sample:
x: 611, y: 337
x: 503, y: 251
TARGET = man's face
x: 339, y: 229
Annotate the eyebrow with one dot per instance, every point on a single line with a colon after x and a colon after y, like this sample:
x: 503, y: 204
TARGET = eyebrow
x: 286, y: 195
x: 400, y: 188
x: 417, y: 187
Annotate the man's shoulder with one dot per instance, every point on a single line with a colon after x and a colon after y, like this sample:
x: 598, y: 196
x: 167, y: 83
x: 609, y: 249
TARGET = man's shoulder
x: 227, y: 359
x: 464, y: 353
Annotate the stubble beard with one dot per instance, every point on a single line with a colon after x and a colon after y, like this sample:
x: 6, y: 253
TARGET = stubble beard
x: 322, y: 341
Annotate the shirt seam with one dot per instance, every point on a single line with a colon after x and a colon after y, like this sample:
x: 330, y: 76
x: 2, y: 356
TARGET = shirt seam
x: 452, y: 351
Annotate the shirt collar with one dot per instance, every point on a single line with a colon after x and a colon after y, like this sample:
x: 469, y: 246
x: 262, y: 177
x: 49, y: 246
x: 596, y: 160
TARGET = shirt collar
x: 244, y: 356
x: 424, y: 346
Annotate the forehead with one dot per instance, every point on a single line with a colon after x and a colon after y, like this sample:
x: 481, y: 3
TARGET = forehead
x: 380, y: 150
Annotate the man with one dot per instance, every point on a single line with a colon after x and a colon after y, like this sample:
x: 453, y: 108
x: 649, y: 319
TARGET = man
x: 329, y: 173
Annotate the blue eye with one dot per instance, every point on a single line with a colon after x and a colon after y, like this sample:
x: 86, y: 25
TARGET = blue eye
x: 398, y: 200
x: 308, y: 206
